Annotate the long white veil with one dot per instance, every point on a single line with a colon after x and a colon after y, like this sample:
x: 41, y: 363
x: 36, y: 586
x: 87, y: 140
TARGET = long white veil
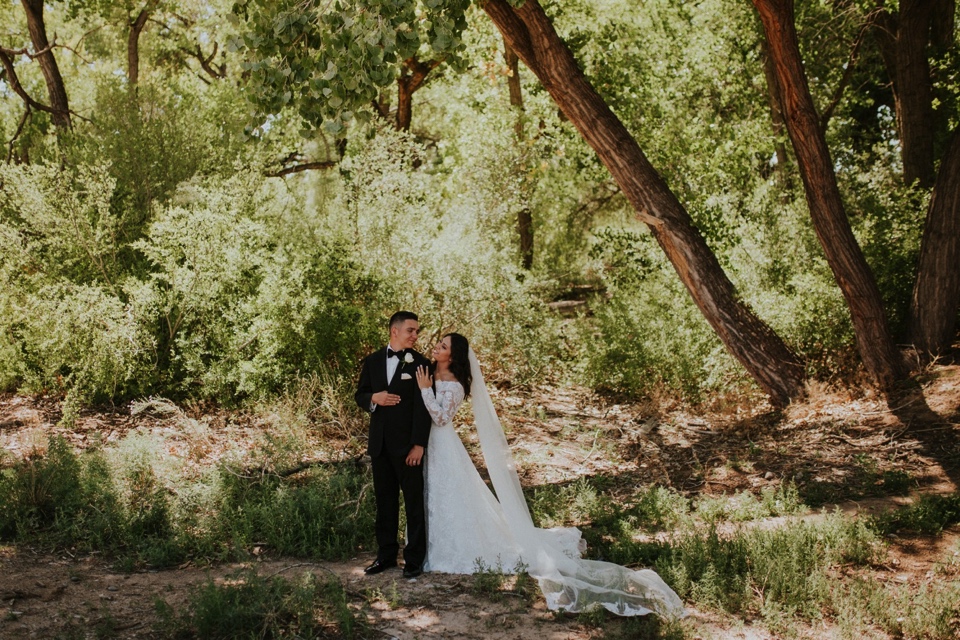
x: 552, y: 556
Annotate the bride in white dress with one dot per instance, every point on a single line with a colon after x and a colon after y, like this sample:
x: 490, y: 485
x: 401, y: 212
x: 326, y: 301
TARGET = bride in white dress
x: 467, y: 526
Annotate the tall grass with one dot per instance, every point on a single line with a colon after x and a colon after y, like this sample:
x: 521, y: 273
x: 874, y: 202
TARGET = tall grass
x: 85, y: 501
x: 247, y: 605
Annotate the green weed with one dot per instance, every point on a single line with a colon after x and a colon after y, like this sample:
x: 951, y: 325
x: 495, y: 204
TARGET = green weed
x: 246, y: 605
x: 488, y: 581
x: 929, y: 515
x: 788, y: 566
x: 124, y: 509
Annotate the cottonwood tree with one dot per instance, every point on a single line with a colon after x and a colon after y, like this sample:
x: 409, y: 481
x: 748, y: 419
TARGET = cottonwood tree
x: 880, y: 354
x: 909, y: 37
x: 936, y: 291
x: 524, y: 215
x: 906, y: 39
x: 43, y: 53
x: 330, y: 60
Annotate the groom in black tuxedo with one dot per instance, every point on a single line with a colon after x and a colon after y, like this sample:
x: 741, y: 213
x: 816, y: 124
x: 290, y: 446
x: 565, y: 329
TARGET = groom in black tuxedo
x: 399, y: 428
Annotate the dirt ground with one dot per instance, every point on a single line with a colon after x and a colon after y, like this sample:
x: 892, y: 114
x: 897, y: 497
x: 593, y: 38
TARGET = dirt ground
x: 854, y: 452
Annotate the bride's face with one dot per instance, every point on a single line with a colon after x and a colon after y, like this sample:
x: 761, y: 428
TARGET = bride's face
x: 441, y: 352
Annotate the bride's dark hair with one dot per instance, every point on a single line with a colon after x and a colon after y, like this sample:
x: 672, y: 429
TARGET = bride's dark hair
x: 460, y: 361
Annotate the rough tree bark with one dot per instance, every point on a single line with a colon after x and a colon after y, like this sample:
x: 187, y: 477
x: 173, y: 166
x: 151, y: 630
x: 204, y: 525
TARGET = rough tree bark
x: 903, y: 38
x: 880, y: 355
x: 524, y: 216
x: 936, y: 292
x: 914, y: 92
x: 60, y: 107
x: 784, y: 174
x: 529, y: 32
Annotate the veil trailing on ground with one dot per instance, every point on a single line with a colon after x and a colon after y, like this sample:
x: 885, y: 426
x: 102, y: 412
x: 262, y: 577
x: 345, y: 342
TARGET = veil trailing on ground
x: 552, y: 556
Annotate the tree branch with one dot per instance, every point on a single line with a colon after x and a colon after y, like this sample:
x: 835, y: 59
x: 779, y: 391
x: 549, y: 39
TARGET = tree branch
x: 14, y: 81
x: 218, y: 73
x: 26, y: 52
x: 23, y: 121
x: 381, y: 109
x: 848, y: 71
x: 303, y: 166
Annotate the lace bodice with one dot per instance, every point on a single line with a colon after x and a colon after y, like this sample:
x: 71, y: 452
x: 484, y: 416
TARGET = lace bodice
x: 443, y: 405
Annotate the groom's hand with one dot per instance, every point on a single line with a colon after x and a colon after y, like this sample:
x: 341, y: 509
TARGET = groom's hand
x: 385, y: 399
x: 415, y: 456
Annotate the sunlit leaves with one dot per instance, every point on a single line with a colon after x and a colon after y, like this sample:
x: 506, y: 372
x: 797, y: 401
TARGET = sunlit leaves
x: 330, y: 60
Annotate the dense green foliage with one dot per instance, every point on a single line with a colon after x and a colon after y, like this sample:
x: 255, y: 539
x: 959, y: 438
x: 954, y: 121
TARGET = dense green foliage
x: 147, y: 251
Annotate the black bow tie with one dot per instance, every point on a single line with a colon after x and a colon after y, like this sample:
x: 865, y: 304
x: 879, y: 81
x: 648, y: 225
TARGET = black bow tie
x: 395, y: 354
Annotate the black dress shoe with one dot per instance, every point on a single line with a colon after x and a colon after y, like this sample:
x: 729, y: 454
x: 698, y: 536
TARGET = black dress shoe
x: 411, y: 572
x: 379, y: 566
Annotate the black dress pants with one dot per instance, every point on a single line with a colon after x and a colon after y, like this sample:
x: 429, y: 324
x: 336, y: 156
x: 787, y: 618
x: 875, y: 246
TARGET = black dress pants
x: 391, y: 475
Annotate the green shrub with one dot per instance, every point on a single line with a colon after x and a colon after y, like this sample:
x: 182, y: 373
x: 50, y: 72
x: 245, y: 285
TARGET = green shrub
x: 82, y: 340
x: 119, y: 505
x: 930, y: 514
x: 60, y: 498
x: 328, y: 514
x: 247, y: 605
x: 930, y: 611
x: 648, y: 333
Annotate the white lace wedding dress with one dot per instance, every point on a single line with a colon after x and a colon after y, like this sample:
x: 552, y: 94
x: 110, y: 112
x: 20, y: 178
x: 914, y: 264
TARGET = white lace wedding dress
x: 468, y: 525
x: 465, y: 524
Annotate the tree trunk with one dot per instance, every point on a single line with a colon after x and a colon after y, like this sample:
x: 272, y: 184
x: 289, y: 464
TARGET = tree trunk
x: 412, y: 76
x: 133, y: 42
x: 784, y: 175
x: 524, y: 216
x: 879, y: 352
x: 936, y: 293
x: 513, y: 86
x: 529, y: 32
x: 914, y: 92
x: 48, y: 63
x: 942, y: 22
x: 903, y: 38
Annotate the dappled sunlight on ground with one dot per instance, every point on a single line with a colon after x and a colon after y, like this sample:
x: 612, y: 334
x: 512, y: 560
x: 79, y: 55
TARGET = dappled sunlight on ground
x: 856, y: 454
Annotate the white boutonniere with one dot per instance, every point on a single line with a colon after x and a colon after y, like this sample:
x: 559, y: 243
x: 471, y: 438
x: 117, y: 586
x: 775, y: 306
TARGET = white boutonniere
x: 408, y: 358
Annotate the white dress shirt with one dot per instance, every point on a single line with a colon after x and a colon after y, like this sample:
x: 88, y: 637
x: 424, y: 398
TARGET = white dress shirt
x: 392, y: 364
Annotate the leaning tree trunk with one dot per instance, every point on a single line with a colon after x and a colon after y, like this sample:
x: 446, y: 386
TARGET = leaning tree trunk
x: 879, y: 352
x: 529, y: 32
x: 60, y: 114
x: 525, y: 215
x: 936, y: 293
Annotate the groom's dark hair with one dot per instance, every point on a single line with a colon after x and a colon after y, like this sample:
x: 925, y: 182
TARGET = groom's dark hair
x: 402, y: 316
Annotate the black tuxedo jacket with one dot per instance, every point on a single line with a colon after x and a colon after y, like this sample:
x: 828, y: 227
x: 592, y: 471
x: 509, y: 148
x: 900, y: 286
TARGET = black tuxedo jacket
x: 395, y: 429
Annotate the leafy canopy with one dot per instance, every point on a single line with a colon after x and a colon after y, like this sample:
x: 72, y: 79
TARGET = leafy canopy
x: 330, y: 59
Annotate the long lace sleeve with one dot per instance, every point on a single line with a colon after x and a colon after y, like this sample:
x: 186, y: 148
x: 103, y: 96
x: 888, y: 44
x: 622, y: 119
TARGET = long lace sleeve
x: 443, y: 406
